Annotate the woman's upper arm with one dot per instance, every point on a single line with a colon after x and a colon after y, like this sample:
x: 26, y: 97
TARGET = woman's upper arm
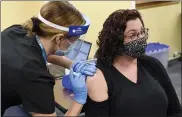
x: 97, y: 87
x: 174, y: 107
x: 97, y: 102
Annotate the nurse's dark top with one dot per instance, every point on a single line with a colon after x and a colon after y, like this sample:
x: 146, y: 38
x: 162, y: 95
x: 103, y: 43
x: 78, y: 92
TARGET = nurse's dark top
x: 24, y: 76
x: 153, y: 95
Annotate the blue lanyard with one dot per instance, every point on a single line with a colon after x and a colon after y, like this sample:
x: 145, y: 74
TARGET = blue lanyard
x: 42, y: 48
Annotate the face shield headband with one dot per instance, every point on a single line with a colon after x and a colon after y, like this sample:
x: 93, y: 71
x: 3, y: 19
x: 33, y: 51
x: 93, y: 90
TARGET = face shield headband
x: 72, y: 30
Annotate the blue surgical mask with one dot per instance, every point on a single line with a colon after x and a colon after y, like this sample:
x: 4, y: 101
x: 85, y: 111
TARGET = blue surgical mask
x: 60, y: 52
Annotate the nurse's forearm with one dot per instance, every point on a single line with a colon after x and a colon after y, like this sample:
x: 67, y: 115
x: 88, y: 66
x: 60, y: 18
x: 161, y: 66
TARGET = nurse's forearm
x: 74, y: 110
x: 60, y: 60
x: 43, y: 115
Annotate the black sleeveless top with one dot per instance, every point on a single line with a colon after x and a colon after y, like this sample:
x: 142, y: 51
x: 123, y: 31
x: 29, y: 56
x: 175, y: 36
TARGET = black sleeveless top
x: 147, y: 97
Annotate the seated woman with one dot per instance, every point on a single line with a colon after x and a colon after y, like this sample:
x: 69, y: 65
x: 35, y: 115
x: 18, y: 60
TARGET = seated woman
x: 128, y: 83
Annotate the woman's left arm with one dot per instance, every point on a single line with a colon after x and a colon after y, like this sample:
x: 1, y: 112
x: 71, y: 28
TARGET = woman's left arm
x: 61, y: 61
x: 174, y: 107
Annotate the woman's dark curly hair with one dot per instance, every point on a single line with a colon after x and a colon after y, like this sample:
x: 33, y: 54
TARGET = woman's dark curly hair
x: 110, y: 39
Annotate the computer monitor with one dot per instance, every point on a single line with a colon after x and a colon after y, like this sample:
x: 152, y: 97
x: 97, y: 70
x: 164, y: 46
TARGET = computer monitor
x: 82, y: 52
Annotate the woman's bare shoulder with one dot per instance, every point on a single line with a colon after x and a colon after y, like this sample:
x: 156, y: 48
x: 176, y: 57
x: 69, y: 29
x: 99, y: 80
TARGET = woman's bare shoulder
x: 97, y: 87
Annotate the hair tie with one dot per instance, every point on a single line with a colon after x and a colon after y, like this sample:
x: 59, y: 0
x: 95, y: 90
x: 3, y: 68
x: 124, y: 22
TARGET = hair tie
x: 36, y: 23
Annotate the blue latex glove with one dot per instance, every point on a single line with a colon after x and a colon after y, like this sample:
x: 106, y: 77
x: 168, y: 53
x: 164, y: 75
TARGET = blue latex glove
x: 78, y: 86
x: 66, y: 83
x: 87, y: 68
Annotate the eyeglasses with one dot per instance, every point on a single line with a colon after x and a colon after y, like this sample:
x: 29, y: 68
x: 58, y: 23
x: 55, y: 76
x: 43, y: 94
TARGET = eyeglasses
x: 135, y: 35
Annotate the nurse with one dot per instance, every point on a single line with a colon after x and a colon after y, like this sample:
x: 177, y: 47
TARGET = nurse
x: 25, y: 50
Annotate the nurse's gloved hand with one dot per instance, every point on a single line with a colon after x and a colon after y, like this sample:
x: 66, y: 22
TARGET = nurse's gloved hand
x: 85, y: 67
x: 78, y: 82
x: 66, y: 83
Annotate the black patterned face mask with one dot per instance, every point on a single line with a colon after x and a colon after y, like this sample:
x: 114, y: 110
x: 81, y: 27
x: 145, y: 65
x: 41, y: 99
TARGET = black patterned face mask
x: 135, y: 48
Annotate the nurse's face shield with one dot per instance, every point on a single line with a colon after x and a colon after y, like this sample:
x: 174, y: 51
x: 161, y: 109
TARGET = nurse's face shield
x: 75, y: 38
x: 75, y: 48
